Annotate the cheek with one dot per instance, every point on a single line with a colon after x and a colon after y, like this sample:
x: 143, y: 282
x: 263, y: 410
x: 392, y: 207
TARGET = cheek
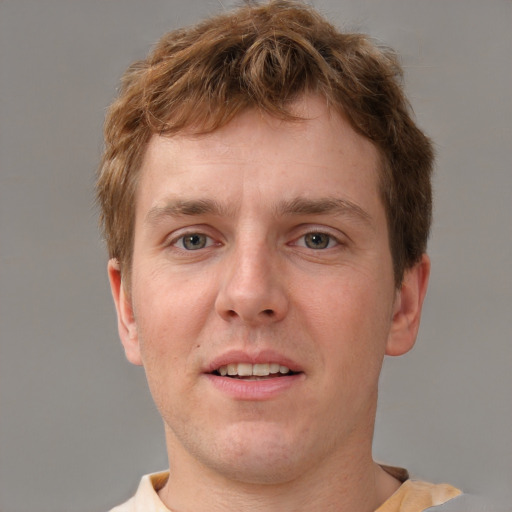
x: 170, y: 312
x: 350, y: 319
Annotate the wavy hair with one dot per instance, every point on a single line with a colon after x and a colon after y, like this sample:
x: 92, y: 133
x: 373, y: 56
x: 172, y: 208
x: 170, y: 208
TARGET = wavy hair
x: 265, y: 56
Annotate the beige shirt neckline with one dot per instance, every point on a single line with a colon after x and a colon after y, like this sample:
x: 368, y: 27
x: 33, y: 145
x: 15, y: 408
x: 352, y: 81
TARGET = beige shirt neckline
x: 411, y: 496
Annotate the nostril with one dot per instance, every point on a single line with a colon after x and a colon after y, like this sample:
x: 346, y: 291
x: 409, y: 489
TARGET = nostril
x: 268, y: 312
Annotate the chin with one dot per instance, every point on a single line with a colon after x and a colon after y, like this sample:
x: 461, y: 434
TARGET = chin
x: 260, y: 454
x: 258, y: 470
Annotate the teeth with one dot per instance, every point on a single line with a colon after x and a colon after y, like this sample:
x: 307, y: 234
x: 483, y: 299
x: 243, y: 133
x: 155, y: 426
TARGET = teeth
x: 249, y: 370
x: 244, y: 369
x: 261, y: 370
x: 274, y: 368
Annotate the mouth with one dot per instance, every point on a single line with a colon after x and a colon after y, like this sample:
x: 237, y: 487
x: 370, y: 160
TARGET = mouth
x: 248, y: 371
x: 261, y: 376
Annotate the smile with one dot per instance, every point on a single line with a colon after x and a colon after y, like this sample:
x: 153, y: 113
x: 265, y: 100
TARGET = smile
x: 248, y: 370
x: 261, y: 376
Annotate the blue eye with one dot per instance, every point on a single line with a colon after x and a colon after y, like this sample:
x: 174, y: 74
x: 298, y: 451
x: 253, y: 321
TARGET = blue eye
x: 193, y: 241
x: 319, y: 241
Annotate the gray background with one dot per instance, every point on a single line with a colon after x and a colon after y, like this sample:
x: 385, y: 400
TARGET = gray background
x: 77, y: 426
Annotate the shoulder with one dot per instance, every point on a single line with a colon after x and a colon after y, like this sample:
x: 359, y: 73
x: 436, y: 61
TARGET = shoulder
x: 417, y: 496
x: 473, y: 503
x: 146, y: 498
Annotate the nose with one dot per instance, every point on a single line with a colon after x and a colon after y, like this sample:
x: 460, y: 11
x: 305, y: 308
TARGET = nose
x: 252, y: 289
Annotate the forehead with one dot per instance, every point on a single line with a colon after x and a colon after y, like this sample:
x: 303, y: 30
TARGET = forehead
x: 318, y: 155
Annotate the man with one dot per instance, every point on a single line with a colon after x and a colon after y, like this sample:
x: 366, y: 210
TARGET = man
x: 266, y: 203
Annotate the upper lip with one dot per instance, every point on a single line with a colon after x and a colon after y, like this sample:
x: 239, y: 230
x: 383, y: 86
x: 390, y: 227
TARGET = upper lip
x: 254, y: 357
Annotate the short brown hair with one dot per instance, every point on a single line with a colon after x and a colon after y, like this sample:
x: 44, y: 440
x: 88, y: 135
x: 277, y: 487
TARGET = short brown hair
x: 265, y: 57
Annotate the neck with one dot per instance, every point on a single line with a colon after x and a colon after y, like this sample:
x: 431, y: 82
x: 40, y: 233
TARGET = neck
x: 344, y: 482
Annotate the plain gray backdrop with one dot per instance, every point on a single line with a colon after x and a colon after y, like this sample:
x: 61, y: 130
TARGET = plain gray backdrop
x: 77, y: 425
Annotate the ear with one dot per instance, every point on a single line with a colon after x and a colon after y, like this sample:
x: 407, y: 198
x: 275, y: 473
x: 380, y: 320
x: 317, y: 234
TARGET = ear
x: 407, y: 308
x: 126, y: 324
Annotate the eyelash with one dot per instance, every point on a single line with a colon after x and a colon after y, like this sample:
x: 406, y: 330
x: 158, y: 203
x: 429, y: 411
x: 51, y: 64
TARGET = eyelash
x: 332, y: 240
x: 181, y: 240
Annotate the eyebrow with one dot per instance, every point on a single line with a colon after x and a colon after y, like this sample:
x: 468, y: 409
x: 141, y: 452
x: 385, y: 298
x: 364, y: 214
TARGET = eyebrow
x: 181, y: 207
x: 297, y: 206
x: 323, y: 206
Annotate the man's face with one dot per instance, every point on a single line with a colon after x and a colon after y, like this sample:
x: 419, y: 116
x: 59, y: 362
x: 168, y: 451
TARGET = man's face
x: 261, y: 249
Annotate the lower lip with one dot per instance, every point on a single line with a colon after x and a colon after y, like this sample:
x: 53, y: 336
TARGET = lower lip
x: 264, y: 389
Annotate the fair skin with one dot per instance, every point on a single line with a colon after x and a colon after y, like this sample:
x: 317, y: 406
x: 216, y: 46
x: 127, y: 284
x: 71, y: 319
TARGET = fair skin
x: 266, y: 243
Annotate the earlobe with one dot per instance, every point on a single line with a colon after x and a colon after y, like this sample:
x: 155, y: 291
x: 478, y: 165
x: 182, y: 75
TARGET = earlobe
x: 407, y: 308
x: 126, y: 324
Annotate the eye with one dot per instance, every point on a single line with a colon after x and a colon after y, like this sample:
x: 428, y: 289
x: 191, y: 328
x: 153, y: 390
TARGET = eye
x: 193, y: 241
x: 317, y: 240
